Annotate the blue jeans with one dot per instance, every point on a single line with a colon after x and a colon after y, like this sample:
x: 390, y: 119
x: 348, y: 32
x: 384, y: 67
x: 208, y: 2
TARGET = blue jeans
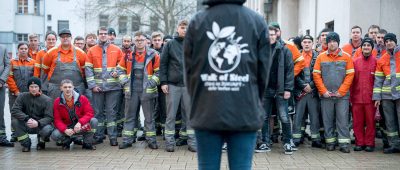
x: 240, y: 149
x: 282, y: 112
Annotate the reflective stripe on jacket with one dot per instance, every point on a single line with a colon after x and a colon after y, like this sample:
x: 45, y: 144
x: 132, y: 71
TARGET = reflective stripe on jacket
x: 387, y: 77
x: 101, y: 61
x: 333, y: 73
x: 21, y: 71
x: 152, y: 65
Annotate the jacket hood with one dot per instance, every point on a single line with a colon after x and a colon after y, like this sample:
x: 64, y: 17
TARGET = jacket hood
x: 217, y: 2
x: 76, y: 97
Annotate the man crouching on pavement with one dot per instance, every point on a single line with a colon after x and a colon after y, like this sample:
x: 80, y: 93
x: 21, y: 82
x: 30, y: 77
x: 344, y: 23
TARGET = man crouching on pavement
x: 73, y: 115
x: 33, y: 114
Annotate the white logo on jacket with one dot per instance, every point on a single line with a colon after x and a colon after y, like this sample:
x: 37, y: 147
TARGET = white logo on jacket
x: 225, y: 52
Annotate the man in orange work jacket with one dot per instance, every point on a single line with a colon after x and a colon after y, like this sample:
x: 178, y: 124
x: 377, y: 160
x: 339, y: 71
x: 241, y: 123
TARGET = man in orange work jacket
x: 355, y: 41
x: 21, y: 70
x: 139, y: 75
x: 102, y: 78
x: 333, y: 74
x: 64, y: 62
x: 387, y: 92
x: 51, y: 39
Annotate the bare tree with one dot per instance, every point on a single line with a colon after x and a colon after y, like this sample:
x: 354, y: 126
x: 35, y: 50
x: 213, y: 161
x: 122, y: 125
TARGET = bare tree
x: 165, y: 13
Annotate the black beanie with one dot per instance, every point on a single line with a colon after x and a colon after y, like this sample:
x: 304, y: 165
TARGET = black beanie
x: 307, y: 37
x: 217, y: 2
x: 390, y: 36
x: 36, y: 81
x: 332, y: 36
x: 368, y: 40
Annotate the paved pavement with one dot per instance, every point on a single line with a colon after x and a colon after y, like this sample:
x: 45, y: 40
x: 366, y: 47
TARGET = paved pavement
x: 140, y: 157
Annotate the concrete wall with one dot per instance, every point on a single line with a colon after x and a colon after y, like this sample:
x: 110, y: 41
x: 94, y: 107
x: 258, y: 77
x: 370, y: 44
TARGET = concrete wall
x: 71, y: 11
x: 288, y: 11
x: 390, y: 16
x: 307, y: 20
x: 7, y: 12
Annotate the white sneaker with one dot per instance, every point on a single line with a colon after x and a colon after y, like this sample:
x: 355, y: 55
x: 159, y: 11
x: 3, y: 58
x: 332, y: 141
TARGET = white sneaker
x: 287, y: 149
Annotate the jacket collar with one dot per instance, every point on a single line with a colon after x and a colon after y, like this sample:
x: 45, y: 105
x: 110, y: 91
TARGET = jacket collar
x: 76, y: 97
x: 339, y: 53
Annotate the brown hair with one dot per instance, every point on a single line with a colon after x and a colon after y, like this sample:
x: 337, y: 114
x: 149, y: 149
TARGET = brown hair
x: 183, y: 23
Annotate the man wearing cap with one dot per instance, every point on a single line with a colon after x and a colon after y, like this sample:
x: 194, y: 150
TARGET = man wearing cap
x: 386, y: 91
x: 361, y: 98
x: 333, y: 74
x: 306, y: 95
x: 111, y: 35
x: 33, y: 114
x: 4, y: 71
x: 64, y: 62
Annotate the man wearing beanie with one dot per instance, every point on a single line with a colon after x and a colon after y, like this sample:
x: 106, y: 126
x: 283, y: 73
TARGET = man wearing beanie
x: 333, y: 74
x: 361, y: 98
x: 33, y: 114
x: 386, y: 91
x: 306, y: 95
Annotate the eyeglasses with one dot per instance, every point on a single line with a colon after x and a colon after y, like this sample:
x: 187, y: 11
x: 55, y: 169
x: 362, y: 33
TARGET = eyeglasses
x: 140, y: 40
x: 103, y: 34
x: 65, y: 36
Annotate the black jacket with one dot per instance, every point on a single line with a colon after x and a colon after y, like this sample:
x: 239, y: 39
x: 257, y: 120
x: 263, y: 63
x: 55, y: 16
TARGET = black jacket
x: 285, y: 76
x: 227, y: 59
x: 306, y: 77
x: 171, y: 65
x: 27, y: 106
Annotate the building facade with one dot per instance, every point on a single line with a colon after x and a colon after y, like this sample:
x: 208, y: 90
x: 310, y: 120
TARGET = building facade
x: 300, y: 17
x: 23, y: 17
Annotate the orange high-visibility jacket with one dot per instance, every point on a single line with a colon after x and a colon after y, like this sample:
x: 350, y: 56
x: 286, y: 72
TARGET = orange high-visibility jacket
x: 349, y: 49
x: 39, y: 62
x: 18, y: 78
x: 387, y: 79
x: 333, y: 72
x: 66, y: 56
x: 98, y: 74
x: 298, y: 59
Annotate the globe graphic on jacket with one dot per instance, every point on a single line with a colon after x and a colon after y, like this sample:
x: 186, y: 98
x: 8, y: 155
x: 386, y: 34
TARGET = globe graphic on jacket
x: 225, y: 52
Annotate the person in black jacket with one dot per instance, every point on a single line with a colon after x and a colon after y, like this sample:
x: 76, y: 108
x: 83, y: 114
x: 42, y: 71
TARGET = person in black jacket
x: 171, y: 77
x: 32, y: 113
x: 278, y: 91
x: 227, y: 59
x: 307, y: 98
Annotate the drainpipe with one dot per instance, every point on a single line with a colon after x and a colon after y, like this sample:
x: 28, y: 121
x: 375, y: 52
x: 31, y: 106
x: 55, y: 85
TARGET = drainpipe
x: 315, y: 18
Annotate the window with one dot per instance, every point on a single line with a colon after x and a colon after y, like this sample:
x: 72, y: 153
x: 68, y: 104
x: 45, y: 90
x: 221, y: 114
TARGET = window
x: 49, y: 17
x: 22, y: 6
x: 330, y: 25
x: 103, y: 21
x: 48, y: 28
x: 36, y: 7
x: 103, y: 1
x: 63, y: 24
x: 153, y: 23
x: 135, y: 23
x: 122, y: 25
x: 22, y: 37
